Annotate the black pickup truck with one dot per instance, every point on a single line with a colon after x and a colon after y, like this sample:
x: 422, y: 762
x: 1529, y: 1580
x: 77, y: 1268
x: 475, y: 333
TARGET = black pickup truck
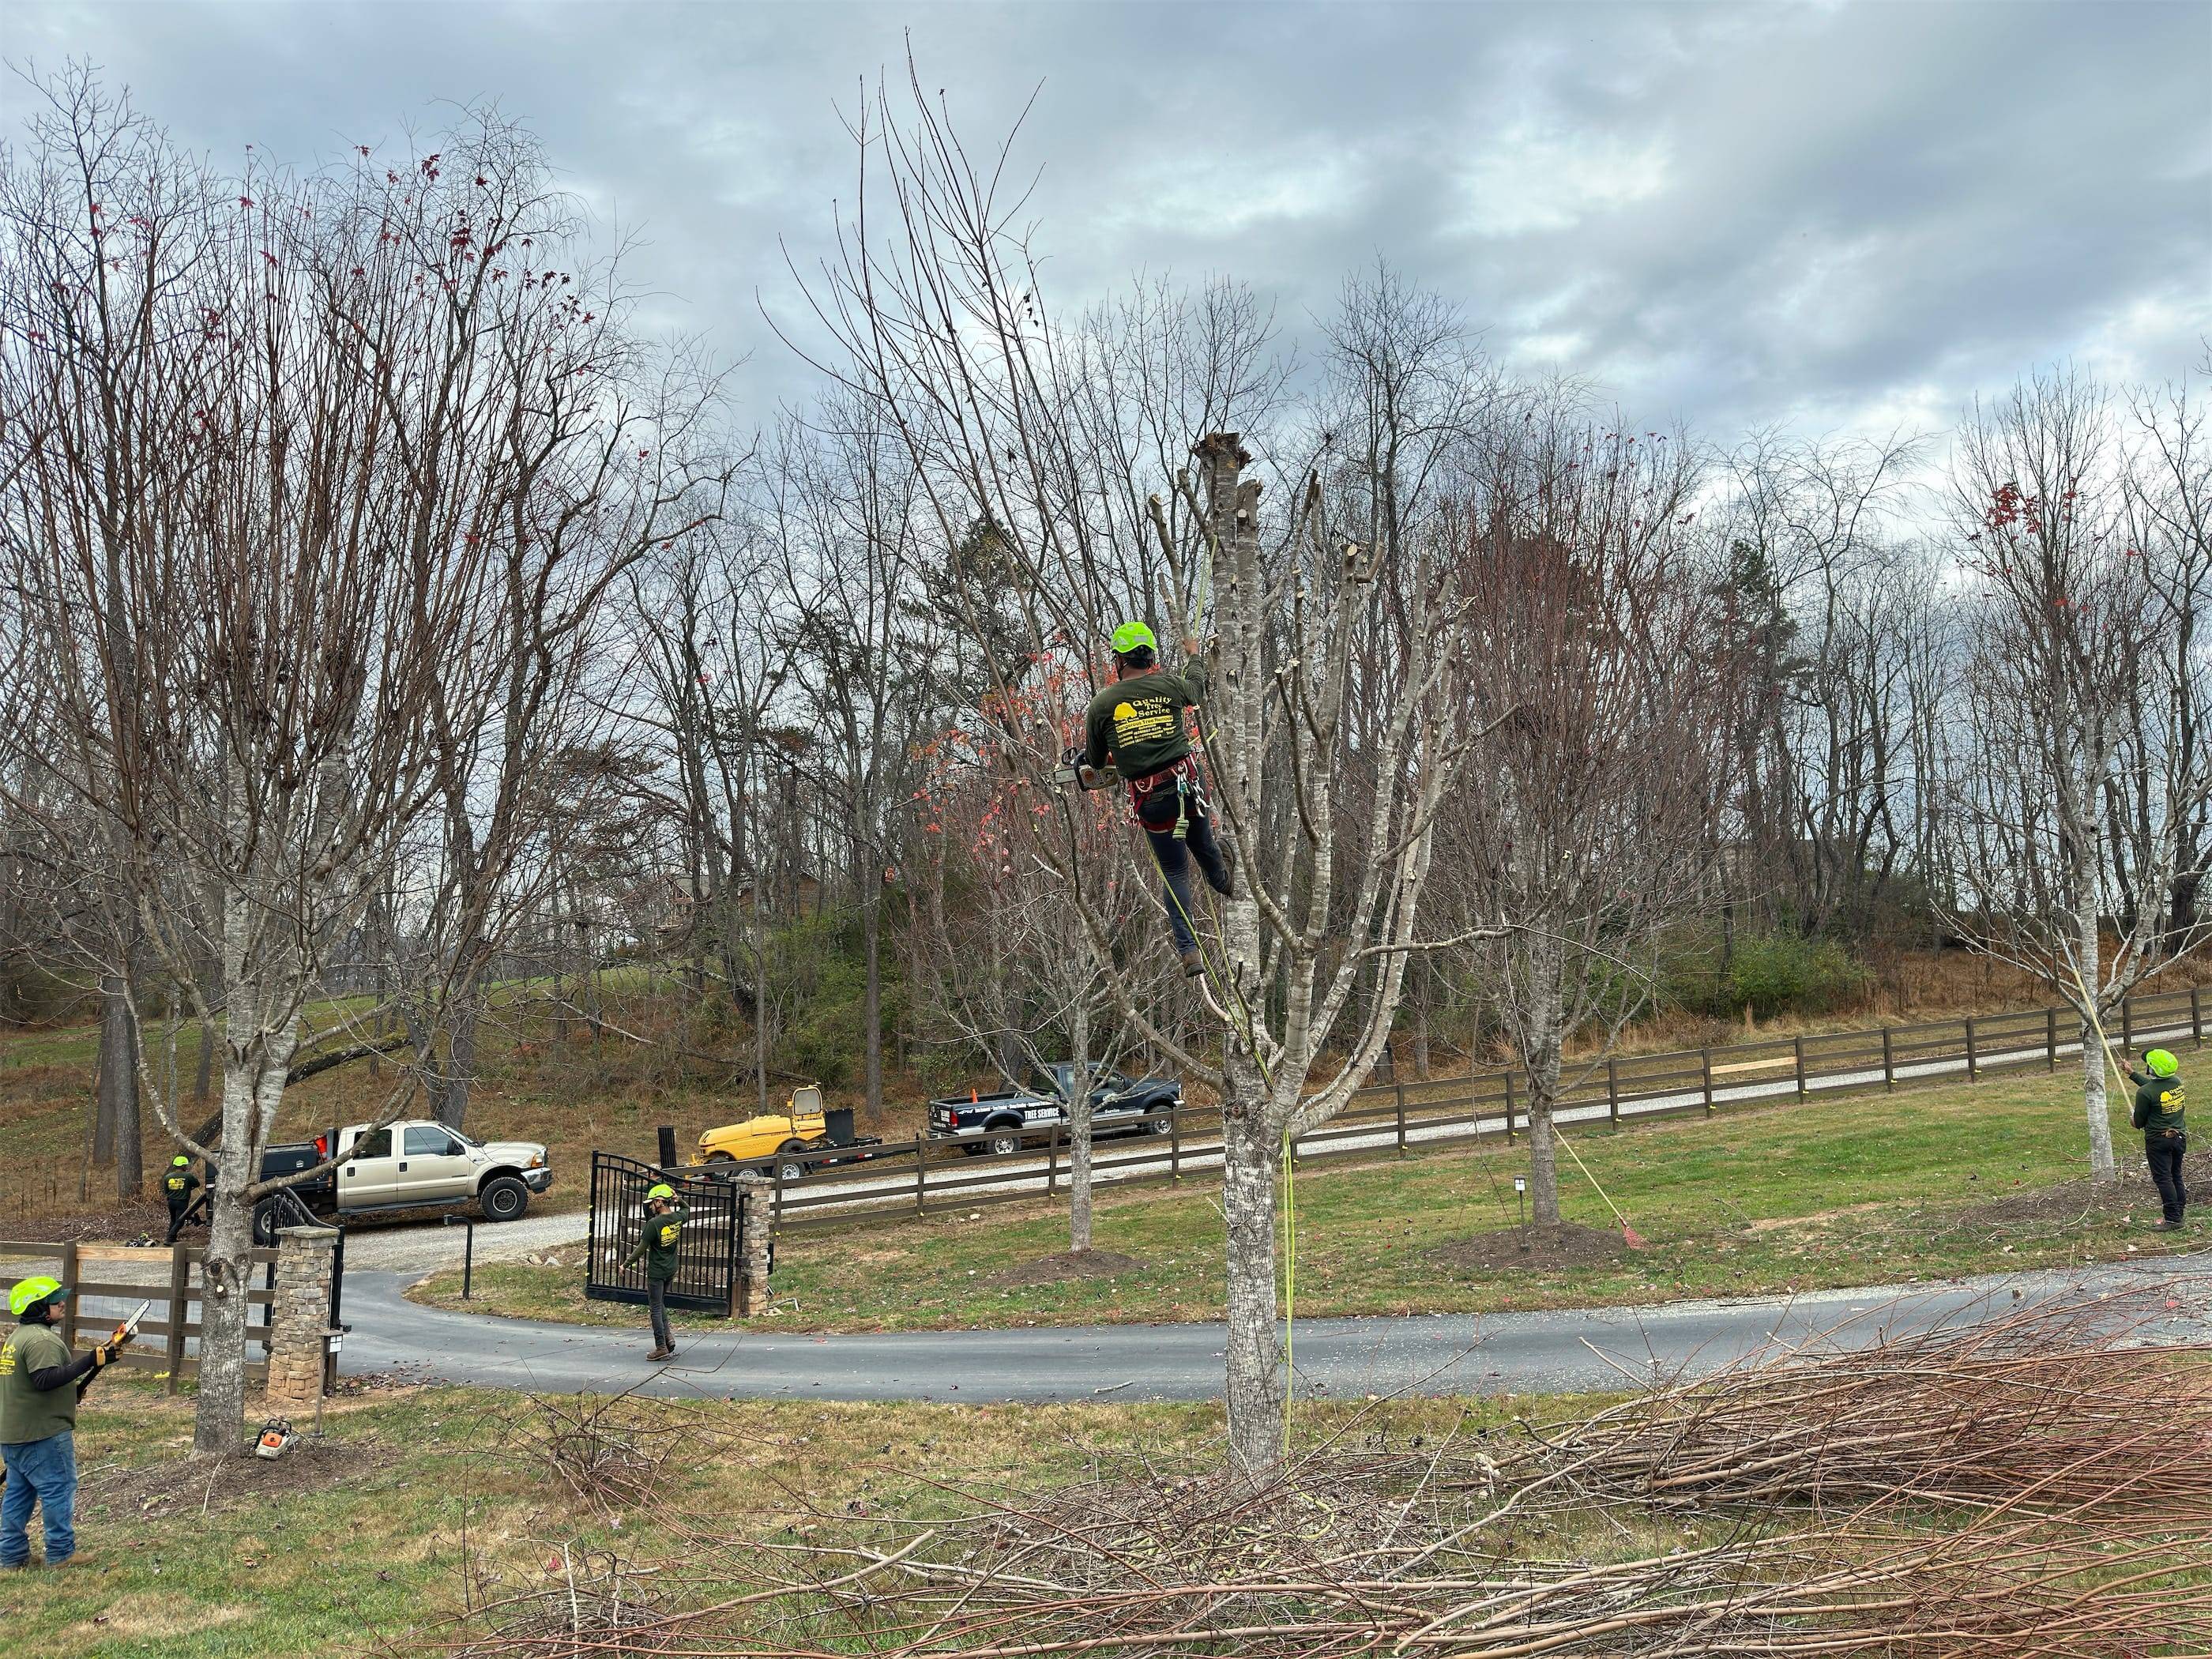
x: 1011, y: 1119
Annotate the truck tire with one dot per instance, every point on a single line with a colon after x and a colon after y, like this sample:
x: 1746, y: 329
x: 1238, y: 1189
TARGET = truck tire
x: 1161, y: 1125
x: 1003, y: 1143
x: 790, y: 1168
x: 504, y: 1198
x: 266, y: 1224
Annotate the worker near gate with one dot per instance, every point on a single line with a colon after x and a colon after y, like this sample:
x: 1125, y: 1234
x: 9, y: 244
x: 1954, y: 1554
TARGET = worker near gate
x: 656, y: 1243
x: 178, y: 1188
x: 1137, y: 722
x: 38, y: 1423
x: 2159, y: 1101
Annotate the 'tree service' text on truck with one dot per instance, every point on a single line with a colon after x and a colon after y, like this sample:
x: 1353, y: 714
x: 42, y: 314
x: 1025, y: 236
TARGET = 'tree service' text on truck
x: 414, y: 1164
x: 797, y: 1141
x: 1120, y: 1105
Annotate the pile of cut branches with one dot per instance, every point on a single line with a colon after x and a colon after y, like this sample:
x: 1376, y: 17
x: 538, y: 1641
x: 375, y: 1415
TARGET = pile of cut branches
x: 2033, y: 1484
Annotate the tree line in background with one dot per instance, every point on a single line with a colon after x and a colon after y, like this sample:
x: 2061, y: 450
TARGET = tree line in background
x: 393, y: 636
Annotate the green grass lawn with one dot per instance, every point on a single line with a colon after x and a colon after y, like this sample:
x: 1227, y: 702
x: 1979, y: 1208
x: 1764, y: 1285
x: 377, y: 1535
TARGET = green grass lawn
x: 322, y: 1554
x: 1837, y: 1191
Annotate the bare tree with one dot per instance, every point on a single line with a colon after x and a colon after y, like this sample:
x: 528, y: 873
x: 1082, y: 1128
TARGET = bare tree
x: 261, y: 497
x: 2065, y: 629
x: 1587, y: 822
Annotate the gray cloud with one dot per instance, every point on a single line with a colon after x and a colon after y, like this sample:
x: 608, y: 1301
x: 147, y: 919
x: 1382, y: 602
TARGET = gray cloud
x: 1837, y: 215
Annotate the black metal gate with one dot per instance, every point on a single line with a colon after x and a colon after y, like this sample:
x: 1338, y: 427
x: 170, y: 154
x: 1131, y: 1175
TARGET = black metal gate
x: 706, y: 1251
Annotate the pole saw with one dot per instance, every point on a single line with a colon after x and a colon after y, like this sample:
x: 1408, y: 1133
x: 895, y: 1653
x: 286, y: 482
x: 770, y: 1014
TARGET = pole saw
x: 123, y: 1334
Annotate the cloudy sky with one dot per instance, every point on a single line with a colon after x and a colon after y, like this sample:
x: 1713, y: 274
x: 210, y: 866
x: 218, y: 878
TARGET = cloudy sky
x: 1838, y: 216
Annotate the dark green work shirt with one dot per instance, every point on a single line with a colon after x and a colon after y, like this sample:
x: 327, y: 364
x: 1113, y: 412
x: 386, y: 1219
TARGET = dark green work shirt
x: 178, y: 1187
x: 26, y: 1411
x: 657, y: 1243
x: 2158, y: 1104
x: 1139, y: 721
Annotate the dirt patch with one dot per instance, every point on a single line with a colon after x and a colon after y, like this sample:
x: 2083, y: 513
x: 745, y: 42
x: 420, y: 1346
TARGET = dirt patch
x: 2070, y: 1200
x: 1056, y: 1269
x: 183, y: 1488
x: 1559, y: 1245
x: 1818, y: 1218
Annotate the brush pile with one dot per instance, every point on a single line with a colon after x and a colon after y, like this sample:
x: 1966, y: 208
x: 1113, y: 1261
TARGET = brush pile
x: 2036, y: 1484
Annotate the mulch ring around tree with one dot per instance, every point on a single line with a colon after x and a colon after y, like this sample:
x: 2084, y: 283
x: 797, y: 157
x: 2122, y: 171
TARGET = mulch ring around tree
x: 1542, y: 1245
x: 1056, y: 1269
x: 186, y: 1487
x: 2072, y: 1200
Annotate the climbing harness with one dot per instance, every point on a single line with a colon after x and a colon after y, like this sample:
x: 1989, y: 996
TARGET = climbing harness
x: 1189, y: 787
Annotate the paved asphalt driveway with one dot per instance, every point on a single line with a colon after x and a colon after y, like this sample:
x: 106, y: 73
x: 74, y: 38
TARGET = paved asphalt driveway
x: 1454, y: 1353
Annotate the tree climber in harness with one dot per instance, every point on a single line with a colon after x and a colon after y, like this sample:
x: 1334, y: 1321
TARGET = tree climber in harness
x: 1137, y: 723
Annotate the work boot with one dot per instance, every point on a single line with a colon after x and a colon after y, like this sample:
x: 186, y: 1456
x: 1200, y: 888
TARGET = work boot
x: 1193, y: 963
x: 660, y: 1353
x: 2169, y: 1226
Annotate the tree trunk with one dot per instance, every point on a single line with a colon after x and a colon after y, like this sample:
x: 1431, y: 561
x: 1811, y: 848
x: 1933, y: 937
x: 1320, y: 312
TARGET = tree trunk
x: 1079, y: 1131
x: 2089, y: 970
x: 871, y: 1001
x: 1540, y: 1054
x: 1254, y: 1351
x: 465, y: 1014
x: 116, y: 1071
x: 129, y: 1138
x: 253, y: 1089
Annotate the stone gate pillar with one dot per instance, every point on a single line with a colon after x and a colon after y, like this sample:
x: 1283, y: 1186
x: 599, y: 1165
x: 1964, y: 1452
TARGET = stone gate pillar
x: 300, y: 1316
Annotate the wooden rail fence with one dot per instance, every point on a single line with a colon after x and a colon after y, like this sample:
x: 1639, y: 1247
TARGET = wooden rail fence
x: 123, y: 1276
x: 910, y: 1177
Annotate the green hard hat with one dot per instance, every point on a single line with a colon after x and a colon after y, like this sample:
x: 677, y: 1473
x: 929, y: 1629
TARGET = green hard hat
x: 1132, y: 635
x: 180, y: 1162
x: 660, y: 1189
x: 2160, y: 1062
x: 30, y: 1292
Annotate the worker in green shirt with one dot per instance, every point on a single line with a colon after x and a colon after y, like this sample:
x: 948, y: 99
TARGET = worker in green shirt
x: 657, y: 1243
x: 1138, y: 723
x: 2159, y: 1101
x: 178, y: 1187
x: 38, y: 1423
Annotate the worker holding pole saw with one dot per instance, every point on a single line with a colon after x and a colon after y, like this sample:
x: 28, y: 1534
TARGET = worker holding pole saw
x: 2158, y: 1114
x: 39, y: 1388
x: 1136, y: 724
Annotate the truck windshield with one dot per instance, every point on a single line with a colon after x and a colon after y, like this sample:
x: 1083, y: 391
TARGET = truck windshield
x: 465, y: 1139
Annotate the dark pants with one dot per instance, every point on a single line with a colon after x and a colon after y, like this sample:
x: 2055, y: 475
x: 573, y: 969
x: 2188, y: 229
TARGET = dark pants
x: 1157, y: 811
x: 179, y: 1214
x: 656, y: 1298
x: 2164, y: 1157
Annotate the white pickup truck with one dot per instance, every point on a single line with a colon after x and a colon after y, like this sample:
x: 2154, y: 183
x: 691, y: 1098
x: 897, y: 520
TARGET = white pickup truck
x: 414, y: 1164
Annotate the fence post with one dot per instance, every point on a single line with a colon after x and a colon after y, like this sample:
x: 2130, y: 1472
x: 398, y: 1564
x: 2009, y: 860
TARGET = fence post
x: 1174, y: 1140
x: 180, y: 1283
x: 1613, y: 1090
x: 920, y: 1178
x: 2050, y: 1036
x: 1052, y: 1163
x: 1509, y: 1104
x: 1797, y: 1047
x: 1399, y: 1090
x: 1974, y: 1054
x: 2196, y: 1013
x: 1705, y: 1070
x: 2127, y: 1026
x: 69, y: 1303
x: 1888, y: 1061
